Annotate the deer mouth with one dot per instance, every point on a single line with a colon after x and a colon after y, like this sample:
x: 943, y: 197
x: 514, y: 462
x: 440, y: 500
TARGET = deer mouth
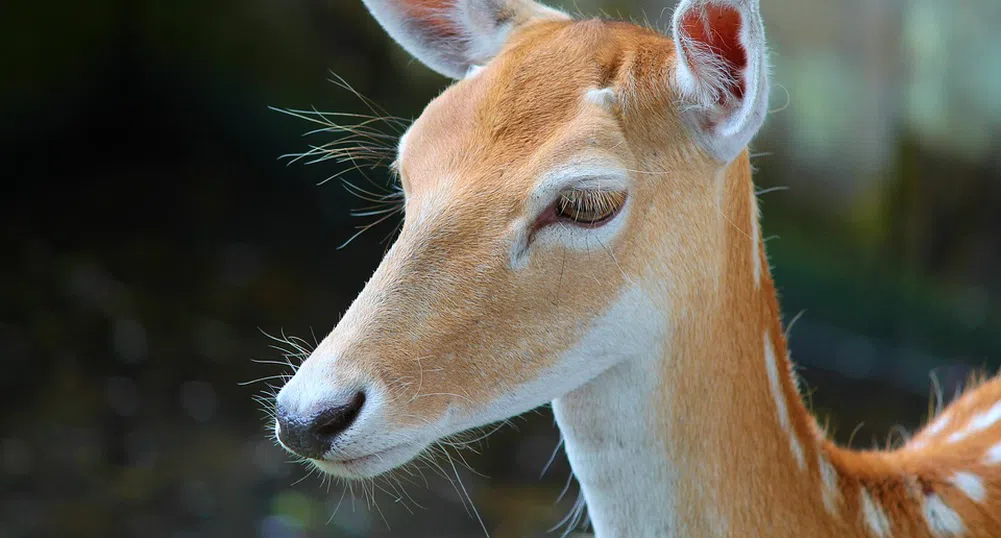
x: 371, y: 464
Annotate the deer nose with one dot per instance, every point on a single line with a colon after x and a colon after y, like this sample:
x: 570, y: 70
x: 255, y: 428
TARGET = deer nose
x: 311, y: 436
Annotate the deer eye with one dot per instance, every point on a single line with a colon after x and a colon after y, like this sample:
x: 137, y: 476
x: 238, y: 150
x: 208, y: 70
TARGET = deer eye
x: 589, y: 208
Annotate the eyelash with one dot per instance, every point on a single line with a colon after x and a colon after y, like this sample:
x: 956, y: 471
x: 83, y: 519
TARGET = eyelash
x: 588, y: 208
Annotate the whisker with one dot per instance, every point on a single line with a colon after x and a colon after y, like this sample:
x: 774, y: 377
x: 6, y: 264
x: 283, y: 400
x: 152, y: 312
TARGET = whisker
x: 366, y: 228
x: 372, y: 105
x: 338, y: 506
x: 772, y: 189
x: 466, y: 493
x: 552, y: 458
x: 260, y: 379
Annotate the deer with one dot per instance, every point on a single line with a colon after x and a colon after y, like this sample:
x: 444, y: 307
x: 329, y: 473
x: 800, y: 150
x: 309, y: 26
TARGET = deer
x: 581, y: 229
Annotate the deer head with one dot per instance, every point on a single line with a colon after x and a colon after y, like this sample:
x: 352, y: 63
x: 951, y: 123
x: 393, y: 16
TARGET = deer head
x: 562, y: 209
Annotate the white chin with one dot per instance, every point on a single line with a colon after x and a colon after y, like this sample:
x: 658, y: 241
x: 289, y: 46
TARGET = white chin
x: 370, y: 465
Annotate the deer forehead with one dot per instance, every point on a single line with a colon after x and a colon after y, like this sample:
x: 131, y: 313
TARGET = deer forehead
x: 549, y: 96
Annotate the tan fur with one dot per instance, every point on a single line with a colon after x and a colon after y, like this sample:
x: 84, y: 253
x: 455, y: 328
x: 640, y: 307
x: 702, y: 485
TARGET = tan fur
x: 448, y: 325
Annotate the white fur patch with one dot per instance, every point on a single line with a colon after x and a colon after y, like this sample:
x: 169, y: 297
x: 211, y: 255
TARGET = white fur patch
x: 473, y: 71
x: 624, y: 470
x: 604, y: 97
x: 403, y: 143
x: 993, y: 456
x: 958, y: 436
x: 978, y: 423
x: 875, y: 517
x: 771, y: 365
x: 755, y: 238
x: 986, y: 419
x: 942, y: 520
x: 829, y: 483
x: 970, y: 484
x: 937, y: 426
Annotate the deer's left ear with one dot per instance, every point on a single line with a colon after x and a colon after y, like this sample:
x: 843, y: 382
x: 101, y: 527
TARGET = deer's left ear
x: 722, y: 72
x: 450, y: 36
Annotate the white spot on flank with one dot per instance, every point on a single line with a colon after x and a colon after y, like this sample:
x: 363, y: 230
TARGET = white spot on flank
x: 970, y: 484
x: 987, y: 419
x: 978, y: 423
x: 937, y: 426
x: 829, y: 481
x: 993, y: 455
x: 942, y: 520
x: 771, y: 364
x: 875, y: 517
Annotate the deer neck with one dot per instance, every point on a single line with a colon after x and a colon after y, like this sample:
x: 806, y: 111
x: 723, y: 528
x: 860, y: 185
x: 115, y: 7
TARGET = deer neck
x: 688, y: 438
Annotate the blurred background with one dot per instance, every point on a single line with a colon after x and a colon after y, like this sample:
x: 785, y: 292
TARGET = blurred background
x: 151, y: 237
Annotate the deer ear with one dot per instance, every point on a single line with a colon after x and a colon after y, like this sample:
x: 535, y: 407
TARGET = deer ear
x: 722, y: 72
x: 450, y: 36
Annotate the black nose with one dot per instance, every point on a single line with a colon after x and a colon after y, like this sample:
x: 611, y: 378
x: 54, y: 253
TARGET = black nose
x: 311, y: 436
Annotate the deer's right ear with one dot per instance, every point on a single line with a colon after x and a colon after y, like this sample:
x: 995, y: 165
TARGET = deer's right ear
x: 450, y: 36
x: 722, y: 72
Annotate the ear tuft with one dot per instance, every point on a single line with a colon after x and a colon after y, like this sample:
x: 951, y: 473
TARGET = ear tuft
x: 710, y: 38
x: 722, y: 72
x: 451, y: 36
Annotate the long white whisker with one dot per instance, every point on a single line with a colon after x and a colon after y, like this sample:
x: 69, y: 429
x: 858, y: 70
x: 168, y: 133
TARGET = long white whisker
x: 466, y: 493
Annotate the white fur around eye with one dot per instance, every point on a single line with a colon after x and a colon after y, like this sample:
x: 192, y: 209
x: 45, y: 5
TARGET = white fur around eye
x: 591, y: 170
x: 582, y: 238
x: 599, y: 240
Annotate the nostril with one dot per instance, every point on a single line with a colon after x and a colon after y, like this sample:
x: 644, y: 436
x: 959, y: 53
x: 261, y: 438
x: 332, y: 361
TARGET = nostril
x: 332, y: 422
x: 312, y: 436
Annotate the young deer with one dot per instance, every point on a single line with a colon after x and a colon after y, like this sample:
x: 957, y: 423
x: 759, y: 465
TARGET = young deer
x: 581, y: 228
